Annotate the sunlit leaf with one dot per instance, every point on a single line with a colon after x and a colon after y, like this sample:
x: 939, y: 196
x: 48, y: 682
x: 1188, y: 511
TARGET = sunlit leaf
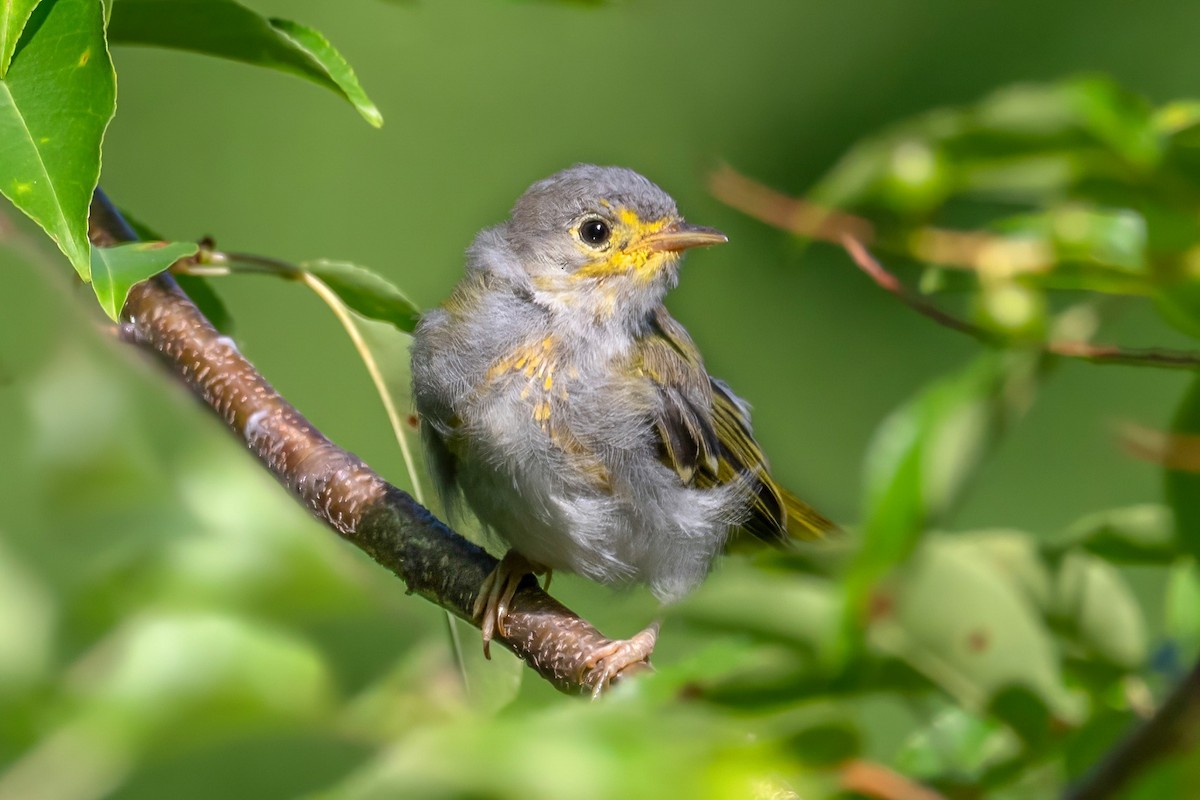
x: 55, y: 103
x: 13, y: 16
x: 116, y: 269
x: 227, y: 29
x: 367, y: 293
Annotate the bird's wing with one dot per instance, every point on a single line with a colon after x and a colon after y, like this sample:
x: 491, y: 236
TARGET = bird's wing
x: 704, y: 434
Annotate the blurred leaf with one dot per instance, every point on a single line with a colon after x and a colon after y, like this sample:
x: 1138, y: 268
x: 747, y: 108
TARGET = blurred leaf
x: 55, y: 102
x: 827, y: 742
x: 778, y: 607
x: 27, y: 636
x: 1096, y: 604
x: 171, y: 677
x: 957, y: 744
x: 1183, y: 487
x: 116, y: 269
x: 989, y: 639
x: 12, y: 22
x: 227, y: 29
x: 623, y: 748
x: 1142, y: 534
x: 1179, y: 304
x: 1182, y: 613
x: 1084, y: 597
x: 367, y: 293
x: 924, y: 453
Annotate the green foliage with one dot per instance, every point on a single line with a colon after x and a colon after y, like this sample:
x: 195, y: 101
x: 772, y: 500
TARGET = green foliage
x: 174, y: 608
x: 116, y: 269
x: 55, y: 101
x: 58, y: 94
x: 228, y: 29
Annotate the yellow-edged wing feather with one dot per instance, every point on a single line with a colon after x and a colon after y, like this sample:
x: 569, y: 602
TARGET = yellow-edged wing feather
x: 704, y: 434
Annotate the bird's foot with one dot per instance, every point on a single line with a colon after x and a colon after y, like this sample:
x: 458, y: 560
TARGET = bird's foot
x: 607, y: 662
x: 496, y: 594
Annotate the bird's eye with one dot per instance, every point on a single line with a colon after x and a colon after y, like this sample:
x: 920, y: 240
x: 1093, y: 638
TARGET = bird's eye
x: 595, y: 232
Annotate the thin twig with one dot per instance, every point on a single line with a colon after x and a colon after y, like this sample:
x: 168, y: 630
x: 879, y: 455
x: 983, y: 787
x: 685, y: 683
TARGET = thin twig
x: 1083, y: 351
x: 337, y: 487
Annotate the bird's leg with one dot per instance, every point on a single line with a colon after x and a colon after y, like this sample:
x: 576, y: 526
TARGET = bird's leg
x: 496, y: 594
x: 605, y: 663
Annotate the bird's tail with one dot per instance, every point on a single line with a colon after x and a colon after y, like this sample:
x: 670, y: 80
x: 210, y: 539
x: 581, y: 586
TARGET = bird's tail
x: 803, y: 521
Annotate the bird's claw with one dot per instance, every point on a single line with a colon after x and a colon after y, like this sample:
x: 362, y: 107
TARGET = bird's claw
x: 496, y: 594
x: 608, y: 661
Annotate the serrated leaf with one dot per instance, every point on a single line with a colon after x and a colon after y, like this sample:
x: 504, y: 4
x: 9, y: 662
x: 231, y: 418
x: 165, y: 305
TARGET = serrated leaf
x: 13, y: 16
x: 367, y: 293
x: 227, y: 29
x: 55, y: 102
x: 116, y: 269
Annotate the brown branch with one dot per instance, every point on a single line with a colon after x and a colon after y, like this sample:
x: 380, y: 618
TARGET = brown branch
x: 1174, y: 728
x: 1083, y: 351
x: 337, y: 487
x: 873, y: 780
x: 971, y: 250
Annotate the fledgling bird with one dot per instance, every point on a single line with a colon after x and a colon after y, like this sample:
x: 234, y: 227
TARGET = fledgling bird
x: 576, y: 415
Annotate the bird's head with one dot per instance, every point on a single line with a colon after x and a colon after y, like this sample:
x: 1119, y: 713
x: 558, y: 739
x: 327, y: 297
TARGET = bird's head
x: 602, y: 240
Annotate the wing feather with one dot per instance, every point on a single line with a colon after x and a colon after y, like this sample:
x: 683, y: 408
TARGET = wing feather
x: 704, y: 434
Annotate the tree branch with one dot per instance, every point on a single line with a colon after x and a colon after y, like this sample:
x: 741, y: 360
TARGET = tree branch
x: 1084, y: 351
x: 1173, y: 728
x: 337, y: 487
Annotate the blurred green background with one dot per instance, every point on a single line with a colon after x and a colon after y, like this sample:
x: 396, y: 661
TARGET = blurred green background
x: 142, y: 555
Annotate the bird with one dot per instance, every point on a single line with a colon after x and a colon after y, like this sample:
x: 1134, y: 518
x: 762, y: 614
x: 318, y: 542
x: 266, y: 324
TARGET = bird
x: 561, y: 401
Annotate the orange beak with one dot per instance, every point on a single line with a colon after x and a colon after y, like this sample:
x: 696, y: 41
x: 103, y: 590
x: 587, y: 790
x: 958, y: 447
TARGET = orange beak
x: 681, y: 236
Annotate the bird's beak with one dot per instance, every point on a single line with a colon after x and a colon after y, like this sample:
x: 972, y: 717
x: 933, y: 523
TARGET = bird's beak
x: 681, y: 236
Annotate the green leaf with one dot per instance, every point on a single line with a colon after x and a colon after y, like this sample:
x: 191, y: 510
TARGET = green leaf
x: 331, y: 61
x: 1182, y: 618
x: 1183, y: 487
x: 55, y: 103
x: 923, y: 454
x: 227, y: 29
x: 367, y: 293
x: 116, y: 269
x: 13, y: 16
x: 955, y: 742
x: 1096, y: 608
x: 1179, y: 304
x: 957, y: 619
x: 1143, y: 534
